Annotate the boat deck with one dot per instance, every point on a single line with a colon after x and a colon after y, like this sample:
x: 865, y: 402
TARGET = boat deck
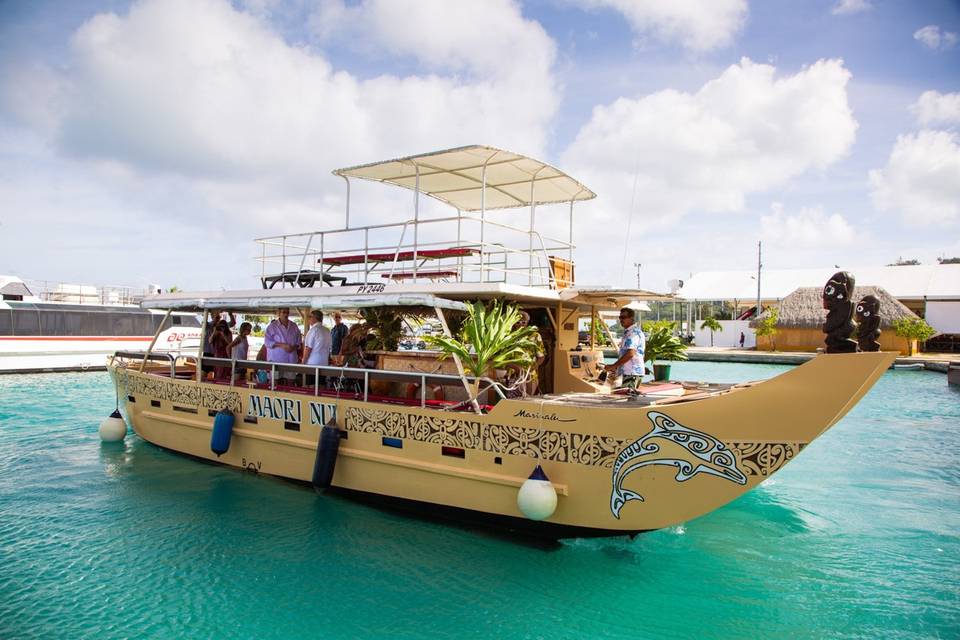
x: 656, y: 395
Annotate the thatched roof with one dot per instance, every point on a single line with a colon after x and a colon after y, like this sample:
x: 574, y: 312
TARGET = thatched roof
x: 803, y: 309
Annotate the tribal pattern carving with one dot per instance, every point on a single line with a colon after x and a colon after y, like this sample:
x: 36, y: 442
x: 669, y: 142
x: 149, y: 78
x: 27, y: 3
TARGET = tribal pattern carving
x: 457, y: 431
x: 764, y: 458
x: 220, y: 399
x: 181, y: 394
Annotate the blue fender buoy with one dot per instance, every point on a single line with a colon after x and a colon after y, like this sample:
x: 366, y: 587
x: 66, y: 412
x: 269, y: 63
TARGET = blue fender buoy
x: 326, y: 460
x: 222, y: 430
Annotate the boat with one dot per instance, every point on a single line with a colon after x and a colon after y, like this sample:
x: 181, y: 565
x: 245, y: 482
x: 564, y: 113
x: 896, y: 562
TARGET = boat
x: 411, y: 430
x: 48, y: 327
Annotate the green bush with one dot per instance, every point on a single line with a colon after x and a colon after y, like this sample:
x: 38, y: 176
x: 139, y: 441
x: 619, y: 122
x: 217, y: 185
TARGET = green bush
x: 913, y: 329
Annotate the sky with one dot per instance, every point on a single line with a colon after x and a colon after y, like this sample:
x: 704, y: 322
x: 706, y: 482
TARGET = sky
x: 149, y: 142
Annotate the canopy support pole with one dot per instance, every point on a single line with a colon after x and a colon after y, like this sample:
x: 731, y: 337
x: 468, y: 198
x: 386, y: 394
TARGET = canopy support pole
x: 483, y: 212
x: 203, y: 341
x: 593, y: 326
x: 347, y: 220
x: 533, y: 218
x: 570, y: 248
x: 457, y: 362
x: 154, y: 341
x: 416, y: 222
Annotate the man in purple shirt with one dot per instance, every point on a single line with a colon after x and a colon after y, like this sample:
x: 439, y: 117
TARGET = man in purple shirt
x: 282, y: 339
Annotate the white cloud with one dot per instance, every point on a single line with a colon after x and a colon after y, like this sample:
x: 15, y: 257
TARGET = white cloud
x: 846, y: 7
x: 744, y: 132
x: 921, y: 179
x: 934, y: 108
x: 486, y: 37
x: 199, y: 90
x: 811, y: 228
x: 698, y: 25
x: 933, y: 38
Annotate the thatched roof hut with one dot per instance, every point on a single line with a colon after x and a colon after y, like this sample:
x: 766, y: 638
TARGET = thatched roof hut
x: 803, y: 309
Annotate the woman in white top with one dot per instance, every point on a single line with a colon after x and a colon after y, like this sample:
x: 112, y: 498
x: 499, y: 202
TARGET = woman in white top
x: 316, y: 346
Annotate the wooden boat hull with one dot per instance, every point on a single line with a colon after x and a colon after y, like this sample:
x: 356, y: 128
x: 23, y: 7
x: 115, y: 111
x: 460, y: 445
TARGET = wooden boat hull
x: 616, y: 470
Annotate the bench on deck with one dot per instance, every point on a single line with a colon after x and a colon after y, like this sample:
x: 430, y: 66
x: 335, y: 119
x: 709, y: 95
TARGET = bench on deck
x: 400, y: 256
x: 432, y: 275
x: 302, y: 279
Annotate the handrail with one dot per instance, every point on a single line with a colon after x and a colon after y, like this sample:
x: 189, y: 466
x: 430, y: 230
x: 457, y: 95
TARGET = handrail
x: 342, y: 373
x: 143, y: 356
x: 278, y: 250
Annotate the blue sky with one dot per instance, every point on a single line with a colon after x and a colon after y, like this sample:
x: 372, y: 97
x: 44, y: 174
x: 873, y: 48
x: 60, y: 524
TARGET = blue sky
x: 150, y: 141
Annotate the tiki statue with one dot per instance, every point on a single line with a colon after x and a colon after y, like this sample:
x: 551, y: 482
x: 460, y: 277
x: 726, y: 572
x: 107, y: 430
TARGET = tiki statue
x: 868, y: 319
x: 839, y: 306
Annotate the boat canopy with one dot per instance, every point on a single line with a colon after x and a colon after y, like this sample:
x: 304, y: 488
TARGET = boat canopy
x: 458, y: 177
x: 260, y: 300
x: 613, y: 298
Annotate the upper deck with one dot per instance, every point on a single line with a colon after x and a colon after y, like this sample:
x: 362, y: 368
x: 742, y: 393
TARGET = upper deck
x: 465, y: 247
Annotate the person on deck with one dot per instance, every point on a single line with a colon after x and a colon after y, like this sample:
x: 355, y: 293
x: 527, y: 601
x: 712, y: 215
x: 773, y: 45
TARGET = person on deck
x: 316, y: 346
x: 337, y: 334
x: 282, y: 339
x: 632, y: 345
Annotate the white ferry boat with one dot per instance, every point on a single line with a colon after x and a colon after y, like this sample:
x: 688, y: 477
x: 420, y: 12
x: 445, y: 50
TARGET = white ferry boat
x: 67, y: 327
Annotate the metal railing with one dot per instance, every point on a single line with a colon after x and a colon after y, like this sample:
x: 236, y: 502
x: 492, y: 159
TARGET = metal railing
x: 304, y: 253
x: 53, y: 291
x: 340, y: 375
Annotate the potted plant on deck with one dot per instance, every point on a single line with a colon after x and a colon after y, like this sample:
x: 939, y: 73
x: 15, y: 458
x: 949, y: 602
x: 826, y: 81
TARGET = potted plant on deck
x: 488, y: 341
x: 662, y: 344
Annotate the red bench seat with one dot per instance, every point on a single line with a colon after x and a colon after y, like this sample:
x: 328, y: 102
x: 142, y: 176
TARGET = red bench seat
x: 401, y: 256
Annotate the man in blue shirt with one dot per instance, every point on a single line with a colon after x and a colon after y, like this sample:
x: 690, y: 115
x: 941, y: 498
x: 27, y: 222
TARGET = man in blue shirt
x: 632, y: 345
x: 337, y: 334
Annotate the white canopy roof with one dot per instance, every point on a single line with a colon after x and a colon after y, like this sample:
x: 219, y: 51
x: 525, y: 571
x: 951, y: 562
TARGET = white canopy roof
x: 261, y: 300
x: 456, y: 176
x: 929, y: 281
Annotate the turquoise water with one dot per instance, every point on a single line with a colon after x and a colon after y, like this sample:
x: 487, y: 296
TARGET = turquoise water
x: 859, y: 537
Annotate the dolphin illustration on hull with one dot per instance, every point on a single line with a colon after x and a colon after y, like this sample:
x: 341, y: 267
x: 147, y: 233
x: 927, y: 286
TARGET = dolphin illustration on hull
x: 708, y: 455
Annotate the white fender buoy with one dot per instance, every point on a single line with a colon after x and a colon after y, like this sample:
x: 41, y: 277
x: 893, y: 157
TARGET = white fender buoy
x: 113, y: 429
x: 537, y: 498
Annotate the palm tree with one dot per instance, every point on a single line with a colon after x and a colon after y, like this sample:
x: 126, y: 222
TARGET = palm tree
x: 488, y: 341
x: 712, y: 324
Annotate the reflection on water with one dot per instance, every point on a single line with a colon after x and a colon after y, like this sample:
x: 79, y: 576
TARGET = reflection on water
x: 857, y: 537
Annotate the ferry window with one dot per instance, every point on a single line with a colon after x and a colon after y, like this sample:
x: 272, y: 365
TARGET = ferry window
x: 6, y: 322
x: 177, y: 320
x: 26, y: 322
x: 122, y: 324
x: 52, y: 323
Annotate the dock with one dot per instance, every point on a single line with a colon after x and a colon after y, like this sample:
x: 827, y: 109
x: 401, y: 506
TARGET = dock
x: 939, y: 362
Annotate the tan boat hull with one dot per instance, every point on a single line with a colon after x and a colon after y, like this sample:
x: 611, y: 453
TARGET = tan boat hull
x: 680, y: 460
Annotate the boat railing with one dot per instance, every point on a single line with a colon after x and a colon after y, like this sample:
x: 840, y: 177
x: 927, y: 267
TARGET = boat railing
x: 417, y: 250
x: 74, y: 293
x: 142, y: 357
x: 340, y: 376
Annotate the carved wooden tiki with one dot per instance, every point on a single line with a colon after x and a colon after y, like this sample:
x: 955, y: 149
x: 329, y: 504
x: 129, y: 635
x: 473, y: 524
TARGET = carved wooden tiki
x: 839, y: 324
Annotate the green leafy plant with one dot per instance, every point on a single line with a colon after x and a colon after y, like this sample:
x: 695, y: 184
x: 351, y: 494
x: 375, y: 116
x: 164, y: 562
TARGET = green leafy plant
x: 386, y: 327
x: 488, y: 340
x: 712, y: 324
x: 600, y: 337
x: 662, y: 344
x: 913, y: 329
x: 767, y: 326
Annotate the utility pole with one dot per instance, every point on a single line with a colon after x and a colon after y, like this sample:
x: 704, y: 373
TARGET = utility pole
x: 638, y: 265
x: 759, y: 267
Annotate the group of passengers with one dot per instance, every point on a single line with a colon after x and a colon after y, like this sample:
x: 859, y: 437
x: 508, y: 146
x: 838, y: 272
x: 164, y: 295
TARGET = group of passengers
x: 283, y: 341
